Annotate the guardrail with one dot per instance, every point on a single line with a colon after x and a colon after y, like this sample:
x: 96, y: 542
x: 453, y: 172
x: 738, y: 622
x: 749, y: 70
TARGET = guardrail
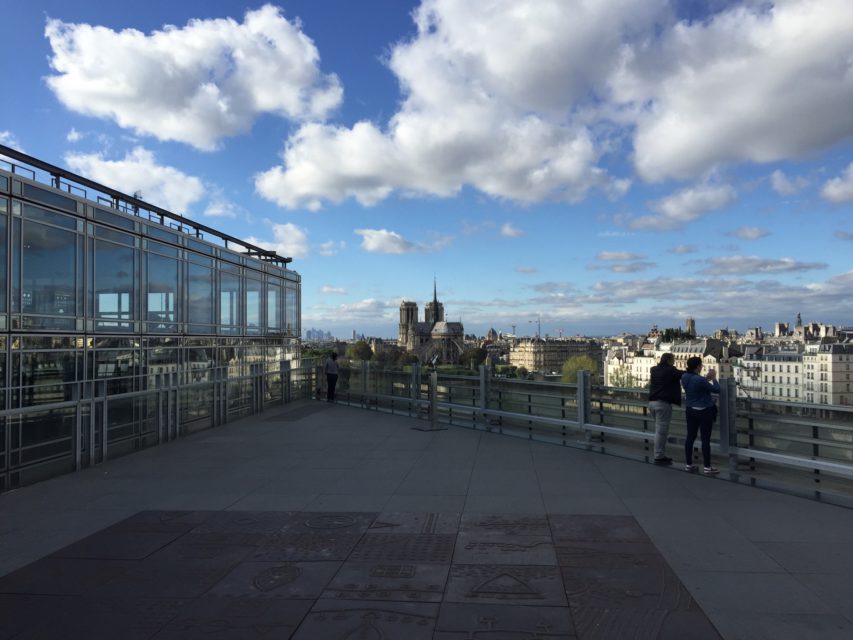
x: 806, y: 449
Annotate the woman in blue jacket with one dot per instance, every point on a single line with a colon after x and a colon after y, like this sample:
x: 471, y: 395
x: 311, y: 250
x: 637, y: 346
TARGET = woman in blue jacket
x: 701, y: 412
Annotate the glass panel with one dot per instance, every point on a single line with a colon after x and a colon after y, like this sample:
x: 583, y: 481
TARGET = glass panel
x: 162, y: 292
x: 113, y: 286
x: 3, y: 273
x: 254, y: 305
x: 46, y: 376
x: 155, y: 232
x: 200, y: 293
x: 43, y: 215
x: 48, y: 270
x: 291, y: 311
x: 49, y: 197
x: 113, y: 219
x: 4, y: 183
x: 229, y: 299
x: 273, y: 305
x: 15, y: 285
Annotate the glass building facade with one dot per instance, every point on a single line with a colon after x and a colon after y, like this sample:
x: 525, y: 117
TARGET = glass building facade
x: 105, y: 300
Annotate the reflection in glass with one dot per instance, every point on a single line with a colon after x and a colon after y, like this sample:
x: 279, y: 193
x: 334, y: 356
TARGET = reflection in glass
x: 253, y: 305
x: 273, y: 303
x: 3, y: 276
x: 229, y: 299
x: 113, y: 272
x: 48, y: 270
x: 291, y: 311
x: 200, y: 292
x: 162, y: 292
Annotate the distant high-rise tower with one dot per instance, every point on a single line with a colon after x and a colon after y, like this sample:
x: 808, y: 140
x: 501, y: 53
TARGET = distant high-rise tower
x: 691, y: 327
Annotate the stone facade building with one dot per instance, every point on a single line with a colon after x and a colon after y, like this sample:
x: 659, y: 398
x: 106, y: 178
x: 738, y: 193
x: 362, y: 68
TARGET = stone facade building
x: 434, y: 338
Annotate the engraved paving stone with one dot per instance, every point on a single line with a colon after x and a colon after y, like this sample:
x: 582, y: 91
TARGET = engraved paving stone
x: 491, y: 549
x: 320, y: 522
x: 605, y: 624
x: 236, y: 617
x: 345, y: 620
x: 466, y: 621
x: 597, y: 528
x: 405, y: 548
x: 632, y: 588
x: 306, y: 547
x: 277, y: 580
x: 505, y: 584
x: 606, y: 555
x: 511, y: 525
x: 401, y: 522
x: 400, y: 582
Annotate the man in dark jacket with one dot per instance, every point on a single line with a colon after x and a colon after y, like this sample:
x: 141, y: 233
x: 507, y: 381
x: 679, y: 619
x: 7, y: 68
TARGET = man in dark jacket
x: 664, y: 391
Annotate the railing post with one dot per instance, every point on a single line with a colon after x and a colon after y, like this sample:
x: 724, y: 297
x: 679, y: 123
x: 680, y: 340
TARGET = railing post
x: 433, y: 398
x: 284, y: 377
x: 484, y: 388
x: 728, y: 420
x: 78, y: 428
x: 584, y: 401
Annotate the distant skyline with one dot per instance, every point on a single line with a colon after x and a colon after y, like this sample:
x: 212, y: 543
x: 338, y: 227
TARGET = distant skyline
x: 605, y: 166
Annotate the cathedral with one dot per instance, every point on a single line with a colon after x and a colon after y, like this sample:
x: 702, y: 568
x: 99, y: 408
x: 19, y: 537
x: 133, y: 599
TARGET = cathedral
x: 434, y: 338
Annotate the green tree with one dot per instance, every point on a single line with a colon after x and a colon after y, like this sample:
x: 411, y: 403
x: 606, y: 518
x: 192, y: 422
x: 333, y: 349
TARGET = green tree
x: 359, y: 351
x: 621, y: 377
x: 472, y: 357
x: 569, y: 372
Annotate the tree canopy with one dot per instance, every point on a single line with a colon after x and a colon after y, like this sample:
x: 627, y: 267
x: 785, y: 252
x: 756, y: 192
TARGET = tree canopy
x: 359, y: 351
x: 569, y: 372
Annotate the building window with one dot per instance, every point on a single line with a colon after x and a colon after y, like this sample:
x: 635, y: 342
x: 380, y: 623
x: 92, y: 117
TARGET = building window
x: 162, y: 278
x: 113, y: 272
x: 229, y: 301
x: 254, y: 306
x: 201, y: 296
x: 48, y: 273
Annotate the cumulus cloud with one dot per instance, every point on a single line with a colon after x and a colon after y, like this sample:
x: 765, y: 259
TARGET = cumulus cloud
x: 749, y: 233
x: 683, y: 249
x: 526, y: 269
x: 195, y: 84
x: 474, y: 111
x: 785, y: 186
x: 138, y: 172
x: 220, y: 206
x: 384, y: 241
x: 333, y: 290
x: 508, y: 231
x: 754, y: 265
x: 289, y: 241
x: 840, y: 189
x: 757, y: 82
x: 73, y: 136
x: 685, y: 206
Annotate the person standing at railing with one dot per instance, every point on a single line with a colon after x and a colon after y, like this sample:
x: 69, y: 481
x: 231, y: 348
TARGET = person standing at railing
x: 701, y: 412
x: 331, y: 376
x: 664, y: 391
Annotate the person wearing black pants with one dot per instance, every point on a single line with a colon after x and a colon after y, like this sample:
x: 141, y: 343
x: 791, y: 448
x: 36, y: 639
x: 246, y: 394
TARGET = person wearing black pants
x: 701, y: 413
x: 331, y: 376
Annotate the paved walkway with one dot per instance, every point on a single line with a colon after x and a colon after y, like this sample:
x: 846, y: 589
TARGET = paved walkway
x: 360, y: 525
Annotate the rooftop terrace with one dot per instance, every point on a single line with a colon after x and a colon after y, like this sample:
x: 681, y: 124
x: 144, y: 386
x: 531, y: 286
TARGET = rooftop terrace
x: 327, y: 521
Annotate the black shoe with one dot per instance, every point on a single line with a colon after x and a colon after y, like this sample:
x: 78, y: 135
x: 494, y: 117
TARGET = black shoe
x: 663, y: 461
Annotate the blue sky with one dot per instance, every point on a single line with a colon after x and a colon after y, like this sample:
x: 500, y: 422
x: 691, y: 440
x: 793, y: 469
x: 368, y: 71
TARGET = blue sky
x: 601, y: 166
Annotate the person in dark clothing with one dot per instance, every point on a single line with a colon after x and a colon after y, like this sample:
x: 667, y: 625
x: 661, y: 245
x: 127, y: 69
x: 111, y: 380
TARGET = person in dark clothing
x: 331, y: 376
x: 664, y: 391
x: 701, y: 412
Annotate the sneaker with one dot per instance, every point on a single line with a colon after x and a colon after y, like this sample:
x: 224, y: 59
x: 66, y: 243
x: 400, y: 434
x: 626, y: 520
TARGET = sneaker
x: 690, y: 467
x: 710, y: 471
x: 663, y: 461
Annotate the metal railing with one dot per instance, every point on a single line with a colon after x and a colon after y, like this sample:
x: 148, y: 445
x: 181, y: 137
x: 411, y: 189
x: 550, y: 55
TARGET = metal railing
x: 806, y: 449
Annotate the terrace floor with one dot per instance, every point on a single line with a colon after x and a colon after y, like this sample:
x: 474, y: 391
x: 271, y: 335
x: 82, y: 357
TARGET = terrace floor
x: 321, y: 521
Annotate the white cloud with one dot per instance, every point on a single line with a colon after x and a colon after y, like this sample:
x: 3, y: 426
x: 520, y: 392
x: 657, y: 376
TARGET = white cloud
x: 617, y: 255
x: 73, y: 136
x: 333, y: 290
x: 508, y: 231
x: 289, y: 241
x: 526, y: 269
x: 632, y: 267
x: 749, y: 233
x: 475, y: 111
x: 138, y: 171
x: 785, y: 186
x: 844, y: 235
x: 683, y: 249
x: 840, y: 189
x: 384, y: 241
x: 220, y: 206
x: 196, y: 84
x: 747, y: 265
x: 758, y: 82
x: 685, y: 206
x: 8, y: 139
x: 331, y: 248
